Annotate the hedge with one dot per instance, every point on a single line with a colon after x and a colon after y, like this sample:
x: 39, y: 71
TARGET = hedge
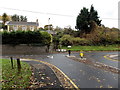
x: 26, y: 37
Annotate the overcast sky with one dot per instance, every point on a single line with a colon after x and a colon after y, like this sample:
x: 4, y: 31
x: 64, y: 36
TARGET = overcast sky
x: 61, y: 12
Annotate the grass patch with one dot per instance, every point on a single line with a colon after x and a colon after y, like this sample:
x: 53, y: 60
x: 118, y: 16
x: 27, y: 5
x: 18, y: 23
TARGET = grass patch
x: 94, y: 48
x: 11, y: 78
x: 0, y: 73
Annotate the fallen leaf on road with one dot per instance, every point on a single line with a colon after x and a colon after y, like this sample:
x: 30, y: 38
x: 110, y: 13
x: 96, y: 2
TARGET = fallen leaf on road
x: 48, y: 78
x: 101, y: 86
x: 110, y: 86
x: 104, y: 79
x: 73, y: 79
x: 42, y: 78
x: 51, y: 84
x: 98, y: 80
x: 80, y: 70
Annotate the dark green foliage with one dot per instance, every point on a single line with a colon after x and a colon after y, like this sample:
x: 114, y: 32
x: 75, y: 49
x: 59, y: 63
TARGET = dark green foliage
x: 15, y: 18
x: 94, y: 16
x: 46, y: 38
x: 56, y: 40
x: 19, y: 18
x: 4, y: 19
x: 68, y: 31
x: 86, y: 19
x: 82, y: 20
x: 71, y: 32
x: 26, y: 37
x: 104, y: 36
x: 67, y: 40
x: 101, y: 36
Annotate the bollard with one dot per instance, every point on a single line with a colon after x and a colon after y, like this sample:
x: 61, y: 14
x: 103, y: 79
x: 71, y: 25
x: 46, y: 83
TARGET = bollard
x: 19, y: 65
x: 69, y: 51
x: 12, y: 62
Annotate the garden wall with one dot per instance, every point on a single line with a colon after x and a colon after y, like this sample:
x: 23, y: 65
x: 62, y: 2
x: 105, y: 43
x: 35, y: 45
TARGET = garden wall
x: 23, y: 50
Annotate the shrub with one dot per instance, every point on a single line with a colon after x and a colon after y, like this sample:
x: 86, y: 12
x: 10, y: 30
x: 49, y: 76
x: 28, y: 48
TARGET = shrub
x: 103, y: 36
x: 66, y: 40
x: 69, y: 40
x: 46, y: 38
x: 80, y: 41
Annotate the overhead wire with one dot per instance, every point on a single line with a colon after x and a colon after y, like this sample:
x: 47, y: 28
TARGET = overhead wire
x: 52, y: 13
x: 37, y: 12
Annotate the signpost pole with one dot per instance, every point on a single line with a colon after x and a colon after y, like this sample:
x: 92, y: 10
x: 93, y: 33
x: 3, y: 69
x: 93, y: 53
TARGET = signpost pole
x: 19, y: 65
x: 11, y: 62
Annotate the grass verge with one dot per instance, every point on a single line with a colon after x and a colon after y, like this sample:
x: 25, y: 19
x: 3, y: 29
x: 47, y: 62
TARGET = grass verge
x: 11, y: 78
x: 0, y: 73
x: 94, y: 48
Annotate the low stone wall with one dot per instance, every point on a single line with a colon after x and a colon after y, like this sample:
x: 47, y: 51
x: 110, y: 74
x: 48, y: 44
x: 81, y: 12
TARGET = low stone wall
x: 23, y: 50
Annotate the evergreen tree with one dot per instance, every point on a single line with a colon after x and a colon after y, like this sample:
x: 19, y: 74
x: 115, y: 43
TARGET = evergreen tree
x: 86, y: 20
x: 25, y: 19
x: 15, y: 18
x: 5, y: 18
x: 19, y: 18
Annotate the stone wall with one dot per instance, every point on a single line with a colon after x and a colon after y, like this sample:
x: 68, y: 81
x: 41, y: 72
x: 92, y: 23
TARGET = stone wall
x: 23, y: 50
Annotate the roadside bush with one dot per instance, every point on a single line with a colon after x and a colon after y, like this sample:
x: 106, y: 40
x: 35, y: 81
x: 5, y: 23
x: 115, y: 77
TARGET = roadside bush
x: 46, y: 38
x: 69, y: 40
x: 66, y: 40
x: 103, y: 36
x: 56, y: 39
x: 80, y: 41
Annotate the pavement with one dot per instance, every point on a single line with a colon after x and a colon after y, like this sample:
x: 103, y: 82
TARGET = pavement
x: 44, y: 76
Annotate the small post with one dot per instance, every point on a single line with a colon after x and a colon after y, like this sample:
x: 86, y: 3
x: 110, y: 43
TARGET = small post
x: 12, y: 62
x: 19, y: 65
x: 69, y: 51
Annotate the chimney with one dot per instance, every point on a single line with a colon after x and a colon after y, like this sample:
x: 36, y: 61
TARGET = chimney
x: 36, y: 20
x: 37, y: 23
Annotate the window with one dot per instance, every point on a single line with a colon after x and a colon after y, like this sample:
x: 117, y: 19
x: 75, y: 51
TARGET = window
x: 32, y: 28
x: 24, y: 27
x: 15, y: 28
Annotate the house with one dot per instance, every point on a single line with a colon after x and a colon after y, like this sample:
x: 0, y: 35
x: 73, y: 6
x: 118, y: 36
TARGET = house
x: 18, y: 25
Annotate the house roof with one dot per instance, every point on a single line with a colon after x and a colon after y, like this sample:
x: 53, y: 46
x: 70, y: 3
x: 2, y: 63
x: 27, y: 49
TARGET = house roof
x: 23, y: 23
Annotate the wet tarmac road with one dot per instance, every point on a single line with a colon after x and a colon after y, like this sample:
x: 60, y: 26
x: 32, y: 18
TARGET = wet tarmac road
x: 84, y: 76
x: 99, y: 57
